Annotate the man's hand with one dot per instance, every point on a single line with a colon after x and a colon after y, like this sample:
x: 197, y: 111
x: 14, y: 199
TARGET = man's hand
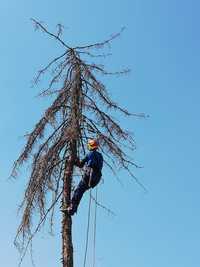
x: 76, y: 160
x: 78, y: 163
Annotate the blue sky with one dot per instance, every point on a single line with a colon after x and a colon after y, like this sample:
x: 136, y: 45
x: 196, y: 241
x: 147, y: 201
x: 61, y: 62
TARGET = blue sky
x: 161, y: 46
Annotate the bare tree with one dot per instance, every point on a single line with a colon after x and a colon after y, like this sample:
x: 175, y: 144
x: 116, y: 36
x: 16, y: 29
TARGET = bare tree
x: 81, y: 109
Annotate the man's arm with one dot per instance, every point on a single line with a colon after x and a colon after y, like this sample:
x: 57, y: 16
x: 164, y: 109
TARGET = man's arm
x: 80, y: 163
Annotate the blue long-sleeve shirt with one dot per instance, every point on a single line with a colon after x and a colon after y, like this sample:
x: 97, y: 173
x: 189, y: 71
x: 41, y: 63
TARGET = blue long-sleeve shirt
x: 94, y: 160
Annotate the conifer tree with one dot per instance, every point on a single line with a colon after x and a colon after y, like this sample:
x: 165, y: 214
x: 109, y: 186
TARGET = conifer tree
x: 81, y: 109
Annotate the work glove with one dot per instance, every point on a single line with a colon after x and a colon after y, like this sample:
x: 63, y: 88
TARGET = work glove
x: 77, y: 161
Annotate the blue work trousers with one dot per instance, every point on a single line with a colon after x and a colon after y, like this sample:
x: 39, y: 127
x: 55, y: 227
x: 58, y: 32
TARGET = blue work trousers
x: 85, y: 184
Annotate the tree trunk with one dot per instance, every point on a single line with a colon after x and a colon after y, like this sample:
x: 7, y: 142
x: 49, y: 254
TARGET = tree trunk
x: 67, y: 250
x: 67, y: 245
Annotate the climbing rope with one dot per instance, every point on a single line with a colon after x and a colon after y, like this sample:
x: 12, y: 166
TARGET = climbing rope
x: 95, y: 228
x: 88, y: 228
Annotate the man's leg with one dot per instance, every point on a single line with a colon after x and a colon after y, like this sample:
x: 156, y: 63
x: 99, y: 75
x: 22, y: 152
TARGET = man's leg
x: 78, y: 194
x: 95, y: 179
x: 83, y: 186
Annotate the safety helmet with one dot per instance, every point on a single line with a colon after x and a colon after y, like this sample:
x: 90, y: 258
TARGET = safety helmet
x: 93, y: 144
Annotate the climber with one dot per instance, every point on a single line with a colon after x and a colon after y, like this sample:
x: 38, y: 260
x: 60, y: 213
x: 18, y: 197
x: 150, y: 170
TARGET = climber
x: 92, y: 163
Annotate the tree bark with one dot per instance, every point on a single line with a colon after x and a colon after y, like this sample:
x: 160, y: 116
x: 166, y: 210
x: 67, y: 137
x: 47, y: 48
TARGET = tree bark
x: 67, y: 250
x: 67, y: 245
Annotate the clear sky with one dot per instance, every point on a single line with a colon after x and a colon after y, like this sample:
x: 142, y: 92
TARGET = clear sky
x: 161, y: 46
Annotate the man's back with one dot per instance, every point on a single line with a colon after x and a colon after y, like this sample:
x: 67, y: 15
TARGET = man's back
x: 94, y: 159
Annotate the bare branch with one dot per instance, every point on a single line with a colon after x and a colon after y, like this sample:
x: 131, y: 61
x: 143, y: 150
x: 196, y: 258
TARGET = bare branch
x: 42, y: 71
x: 39, y: 25
x: 109, y: 211
x: 102, y: 44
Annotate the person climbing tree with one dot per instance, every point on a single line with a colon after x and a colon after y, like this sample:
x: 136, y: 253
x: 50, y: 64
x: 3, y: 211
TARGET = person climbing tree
x: 93, y: 163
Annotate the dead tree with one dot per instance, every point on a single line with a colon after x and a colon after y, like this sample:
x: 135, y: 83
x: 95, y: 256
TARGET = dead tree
x: 80, y: 110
